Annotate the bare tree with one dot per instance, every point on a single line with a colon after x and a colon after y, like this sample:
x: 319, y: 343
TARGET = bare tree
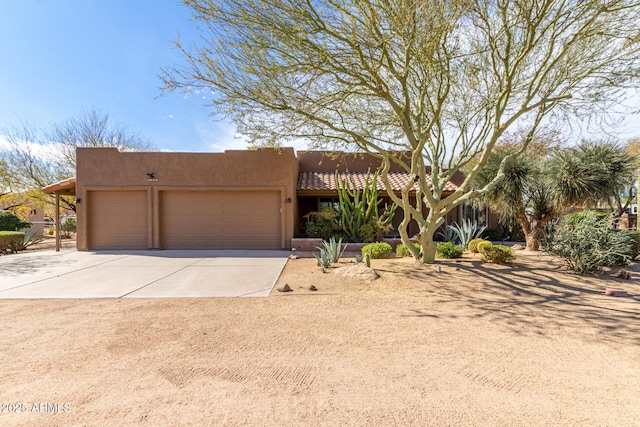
x: 92, y: 128
x: 36, y: 158
x: 441, y: 79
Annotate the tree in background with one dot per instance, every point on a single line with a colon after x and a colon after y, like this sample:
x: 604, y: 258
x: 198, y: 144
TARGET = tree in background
x: 35, y: 158
x: 546, y: 179
x: 92, y: 129
x: 443, y: 80
x: 598, y: 173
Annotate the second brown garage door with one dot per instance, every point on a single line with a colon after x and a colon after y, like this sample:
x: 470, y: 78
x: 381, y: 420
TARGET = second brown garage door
x: 220, y: 219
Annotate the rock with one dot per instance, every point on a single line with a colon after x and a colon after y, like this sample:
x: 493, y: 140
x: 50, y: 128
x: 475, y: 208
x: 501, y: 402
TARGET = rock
x: 517, y: 247
x: 292, y: 256
x: 515, y: 292
x: 358, y: 271
x: 312, y: 288
x: 624, y: 274
x: 284, y: 288
x: 438, y: 269
x: 615, y: 292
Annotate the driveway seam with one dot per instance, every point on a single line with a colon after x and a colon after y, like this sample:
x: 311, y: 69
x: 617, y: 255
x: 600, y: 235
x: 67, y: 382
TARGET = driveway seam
x: 160, y: 278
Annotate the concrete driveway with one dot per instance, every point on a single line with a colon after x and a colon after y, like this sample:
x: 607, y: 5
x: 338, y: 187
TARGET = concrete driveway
x: 140, y: 274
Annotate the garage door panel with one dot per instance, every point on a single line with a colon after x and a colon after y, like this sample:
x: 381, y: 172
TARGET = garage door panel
x: 118, y: 220
x: 221, y: 219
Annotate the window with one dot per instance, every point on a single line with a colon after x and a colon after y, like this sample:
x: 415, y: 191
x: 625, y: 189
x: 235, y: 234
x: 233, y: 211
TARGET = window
x: 469, y: 212
x: 329, y: 202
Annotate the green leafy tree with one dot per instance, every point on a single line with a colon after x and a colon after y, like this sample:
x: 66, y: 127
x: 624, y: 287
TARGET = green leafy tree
x: 443, y: 80
x: 10, y: 222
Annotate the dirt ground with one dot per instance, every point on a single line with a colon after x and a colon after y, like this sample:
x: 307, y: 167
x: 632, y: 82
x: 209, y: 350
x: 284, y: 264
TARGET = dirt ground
x: 413, y: 347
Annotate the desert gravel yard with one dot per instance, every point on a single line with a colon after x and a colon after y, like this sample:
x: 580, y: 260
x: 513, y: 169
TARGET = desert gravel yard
x: 475, y: 344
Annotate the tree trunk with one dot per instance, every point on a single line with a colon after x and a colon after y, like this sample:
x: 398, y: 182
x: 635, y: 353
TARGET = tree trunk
x: 428, y: 250
x: 533, y: 239
x: 426, y: 242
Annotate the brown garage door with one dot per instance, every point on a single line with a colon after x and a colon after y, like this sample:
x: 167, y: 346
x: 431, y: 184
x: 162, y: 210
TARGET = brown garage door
x: 221, y: 219
x: 118, y: 220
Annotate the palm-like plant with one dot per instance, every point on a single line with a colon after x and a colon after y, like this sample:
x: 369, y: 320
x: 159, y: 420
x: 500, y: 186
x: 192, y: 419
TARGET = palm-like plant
x: 536, y: 188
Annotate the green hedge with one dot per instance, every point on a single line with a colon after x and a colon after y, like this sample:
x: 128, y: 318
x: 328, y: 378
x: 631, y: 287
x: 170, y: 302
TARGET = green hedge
x: 11, y: 240
x: 448, y: 250
x: 402, y: 251
x: 378, y: 250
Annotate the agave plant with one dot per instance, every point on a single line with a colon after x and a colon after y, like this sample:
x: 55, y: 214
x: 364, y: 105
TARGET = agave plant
x: 334, y: 248
x: 323, y: 259
x: 465, y: 232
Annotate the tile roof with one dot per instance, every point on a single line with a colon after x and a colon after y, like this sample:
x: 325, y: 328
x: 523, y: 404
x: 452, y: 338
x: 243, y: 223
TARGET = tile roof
x: 326, y: 181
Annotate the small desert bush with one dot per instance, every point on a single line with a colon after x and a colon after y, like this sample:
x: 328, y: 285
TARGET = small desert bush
x: 635, y: 245
x: 498, y: 254
x: 378, y: 250
x: 402, y: 251
x: 11, y: 240
x: 448, y: 250
x: 473, y: 244
x: 588, y: 245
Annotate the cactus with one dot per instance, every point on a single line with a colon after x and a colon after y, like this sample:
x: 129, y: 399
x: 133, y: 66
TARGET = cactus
x: 359, y: 215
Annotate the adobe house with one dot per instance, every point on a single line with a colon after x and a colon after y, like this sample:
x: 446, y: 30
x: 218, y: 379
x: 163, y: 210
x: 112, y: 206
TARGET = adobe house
x: 239, y: 199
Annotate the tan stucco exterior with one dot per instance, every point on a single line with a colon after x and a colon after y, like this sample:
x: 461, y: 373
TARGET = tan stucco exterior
x: 107, y: 169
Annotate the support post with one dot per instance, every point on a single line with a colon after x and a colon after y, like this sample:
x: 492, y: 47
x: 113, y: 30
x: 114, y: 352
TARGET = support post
x: 58, y: 236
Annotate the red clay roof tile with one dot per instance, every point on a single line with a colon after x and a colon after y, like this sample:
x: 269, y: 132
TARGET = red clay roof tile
x: 326, y: 181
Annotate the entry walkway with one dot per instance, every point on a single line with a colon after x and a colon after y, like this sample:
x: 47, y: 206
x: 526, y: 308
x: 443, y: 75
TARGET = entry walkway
x: 140, y: 274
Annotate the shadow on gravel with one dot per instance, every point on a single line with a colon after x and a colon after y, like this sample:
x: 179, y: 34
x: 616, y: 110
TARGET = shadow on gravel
x: 529, y: 301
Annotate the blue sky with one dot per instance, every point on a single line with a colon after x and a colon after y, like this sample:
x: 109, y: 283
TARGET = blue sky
x: 59, y: 57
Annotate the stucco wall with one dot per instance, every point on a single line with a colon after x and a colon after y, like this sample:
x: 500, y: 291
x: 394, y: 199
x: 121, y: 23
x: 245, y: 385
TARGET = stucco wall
x: 109, y: 169
x: 328, y: 161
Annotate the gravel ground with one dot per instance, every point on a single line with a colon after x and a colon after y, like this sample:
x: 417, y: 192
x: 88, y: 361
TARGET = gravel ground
x: 474, y: 344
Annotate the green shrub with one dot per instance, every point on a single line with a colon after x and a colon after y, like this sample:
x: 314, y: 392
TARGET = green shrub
x: 498, y: 254
x: 482, y: 246
x: 402, y: 251
x: 448, y: 250
x: 11, y: 240
x: 576, y: 217
x: 378, y: 250
x: 323, y: 223
x: 10, y: 222
x: 635, y: 245
x: 589, y: 245
x: 69, y: 226
x: 473, y: 244
x: 319, y: 229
